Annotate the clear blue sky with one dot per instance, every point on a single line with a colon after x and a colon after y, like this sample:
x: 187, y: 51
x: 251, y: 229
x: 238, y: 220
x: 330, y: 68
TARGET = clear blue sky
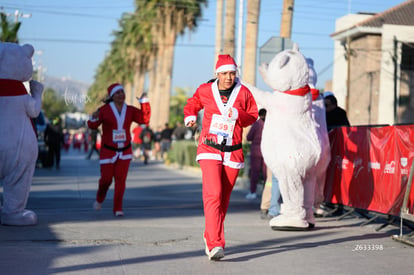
x: 73, y: 36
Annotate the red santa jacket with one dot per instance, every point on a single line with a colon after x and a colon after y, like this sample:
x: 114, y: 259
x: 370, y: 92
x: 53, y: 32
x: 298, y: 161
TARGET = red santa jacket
x: 116, y: 136
x: 207, y: 97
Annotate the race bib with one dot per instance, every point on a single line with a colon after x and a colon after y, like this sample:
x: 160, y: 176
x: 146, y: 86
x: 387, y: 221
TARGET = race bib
x: 118, y: 136
x: 222, y: 126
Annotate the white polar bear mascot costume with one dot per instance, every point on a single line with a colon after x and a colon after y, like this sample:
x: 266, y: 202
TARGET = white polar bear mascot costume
x: 18, y: 141
x: 290, y: 143
x: 319, y: 115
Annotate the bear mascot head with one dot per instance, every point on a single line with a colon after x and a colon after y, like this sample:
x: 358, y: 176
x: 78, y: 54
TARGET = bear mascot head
x: 290, y: 66
x: 18, y: 141
x: 290, y: 144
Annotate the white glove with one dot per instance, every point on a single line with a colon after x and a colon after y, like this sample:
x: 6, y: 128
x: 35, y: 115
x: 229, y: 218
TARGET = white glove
x: 143, y: 99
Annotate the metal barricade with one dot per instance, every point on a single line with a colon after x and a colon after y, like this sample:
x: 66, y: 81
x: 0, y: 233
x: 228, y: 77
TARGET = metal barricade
x: 406, y: 238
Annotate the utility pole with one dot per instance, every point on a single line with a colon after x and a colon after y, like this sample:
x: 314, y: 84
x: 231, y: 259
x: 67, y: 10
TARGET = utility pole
x: 240, y: 36
x: 371, y: 78
x: 348, y: 55
x: 286, y: 24
x: 18, y: 14
x: 219, y: 31
x: 39, y: 66
x: 395, y: 60
x: 287, y: 17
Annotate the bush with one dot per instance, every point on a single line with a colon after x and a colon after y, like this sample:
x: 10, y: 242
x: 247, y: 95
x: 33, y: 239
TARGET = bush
x: 184, y: 152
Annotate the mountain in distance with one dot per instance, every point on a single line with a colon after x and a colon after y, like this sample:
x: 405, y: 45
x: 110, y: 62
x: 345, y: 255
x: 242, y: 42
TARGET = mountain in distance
x: 74, y: 92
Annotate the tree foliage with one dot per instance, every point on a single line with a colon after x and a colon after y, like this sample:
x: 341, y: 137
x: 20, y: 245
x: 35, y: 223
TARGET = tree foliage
x: 9, y: 30
x: 177, y: 104
x: 53, y: 105
x: 142, y: 49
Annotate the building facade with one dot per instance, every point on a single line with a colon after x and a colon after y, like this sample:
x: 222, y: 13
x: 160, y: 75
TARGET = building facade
x: 373, y: 74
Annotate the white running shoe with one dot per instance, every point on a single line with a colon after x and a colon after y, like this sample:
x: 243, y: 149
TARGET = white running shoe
x: 319, y: 212
x: 206, y: 249
x: 97, y: 206
x: 216, y: 253
x: 251, y: 196
x: 119, y: 214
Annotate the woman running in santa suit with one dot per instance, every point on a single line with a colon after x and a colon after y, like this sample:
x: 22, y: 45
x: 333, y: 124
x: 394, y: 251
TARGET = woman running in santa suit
x: 116, y: 153
x: 228, y: 107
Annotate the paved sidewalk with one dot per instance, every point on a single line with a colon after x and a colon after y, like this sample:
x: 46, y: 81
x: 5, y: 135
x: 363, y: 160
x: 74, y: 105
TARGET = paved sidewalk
x: 161, y: 232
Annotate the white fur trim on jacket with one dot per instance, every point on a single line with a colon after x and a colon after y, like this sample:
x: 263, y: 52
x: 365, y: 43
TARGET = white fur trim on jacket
x: 208, y: 156
x: 232, y: 164
x: 115, y: 157
x: 120, y: 119
x: 143, y: 100
x: 188, y: 119
x: 226, y: 160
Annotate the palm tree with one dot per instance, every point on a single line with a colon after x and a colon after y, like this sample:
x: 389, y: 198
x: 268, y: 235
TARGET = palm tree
x: 121, y: 64
x: 9, y: 30
x: 229, y: 29
x: 144, y: 44
x: 134, y: 36
x: 250, y: 51
x: 125, y: 56
x: 219, y: 30
x: 172, y: 19
x: 108, y: 72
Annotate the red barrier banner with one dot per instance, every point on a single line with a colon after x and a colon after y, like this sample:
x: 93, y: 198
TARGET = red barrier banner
x: 405, y: 143
x: 370, y: 166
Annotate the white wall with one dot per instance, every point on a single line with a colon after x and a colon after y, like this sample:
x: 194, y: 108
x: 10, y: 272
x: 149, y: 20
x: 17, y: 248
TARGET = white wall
x: 340, y: 68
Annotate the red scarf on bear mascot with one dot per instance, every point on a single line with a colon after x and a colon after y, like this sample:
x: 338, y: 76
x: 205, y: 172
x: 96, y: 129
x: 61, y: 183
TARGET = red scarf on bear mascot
x: 10, y: 87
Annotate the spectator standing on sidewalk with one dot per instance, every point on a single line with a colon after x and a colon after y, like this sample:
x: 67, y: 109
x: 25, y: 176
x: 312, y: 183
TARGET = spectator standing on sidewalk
x: 271, y: 199
x: 156, y: 153
x: 116, y: 153
x: 228, y: 108
x: 335, y: 115
x: 54, y: 140
x: 94, y: 139
x: 66, y: 140
x: 179, y: 132
x: 147, y: 137
x: 136, y: 141
x: 166, y: 136
x: 86, y: 140
x: 257, y: 164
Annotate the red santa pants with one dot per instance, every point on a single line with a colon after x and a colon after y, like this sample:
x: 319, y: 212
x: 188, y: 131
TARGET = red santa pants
x: 218, y: 182
x: 119, y: 171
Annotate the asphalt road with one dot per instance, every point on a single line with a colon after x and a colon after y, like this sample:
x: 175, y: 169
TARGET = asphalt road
x: 161, y: 232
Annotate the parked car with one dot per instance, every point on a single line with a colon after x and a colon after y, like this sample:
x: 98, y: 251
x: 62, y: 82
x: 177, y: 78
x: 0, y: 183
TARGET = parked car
x: 40, y: 123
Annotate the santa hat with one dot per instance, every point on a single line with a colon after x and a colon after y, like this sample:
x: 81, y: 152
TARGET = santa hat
x: 113, y: 88
x: 225, y: 63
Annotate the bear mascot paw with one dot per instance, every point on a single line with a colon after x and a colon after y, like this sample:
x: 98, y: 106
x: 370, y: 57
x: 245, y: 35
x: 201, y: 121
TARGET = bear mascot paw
x: 290, y: 143
x: 18, y: 141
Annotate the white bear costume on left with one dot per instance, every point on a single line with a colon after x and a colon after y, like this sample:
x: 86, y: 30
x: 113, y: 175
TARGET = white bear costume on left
x: 18, y: 141
x: 290, y: 142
